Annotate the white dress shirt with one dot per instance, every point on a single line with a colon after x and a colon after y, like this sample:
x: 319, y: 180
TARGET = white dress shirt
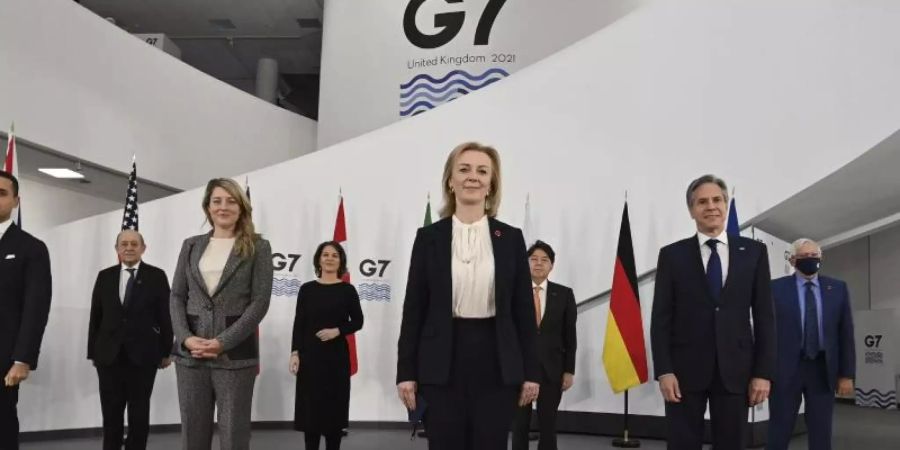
x: 5, y: 226
x: 212, y: 263
x: 123, y: 279
x: 721, y: 249
x: 542, y: 294
x: 472, y: 270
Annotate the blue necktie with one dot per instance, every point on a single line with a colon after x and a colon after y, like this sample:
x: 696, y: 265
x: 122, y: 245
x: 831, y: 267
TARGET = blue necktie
x: 129, y: 285
x: 714, y: 270
x: 811, y: 324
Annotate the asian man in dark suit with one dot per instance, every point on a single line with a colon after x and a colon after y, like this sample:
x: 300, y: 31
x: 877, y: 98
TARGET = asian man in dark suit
x: 24, y: 305
x: 555, y: 316
x: 129, y: 338
x: 816, y: 358
x: 713, y: 325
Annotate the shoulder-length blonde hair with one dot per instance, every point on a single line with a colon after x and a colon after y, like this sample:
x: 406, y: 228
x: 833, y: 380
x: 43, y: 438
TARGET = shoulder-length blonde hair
x: 492, y: 201
x: 244, y: 231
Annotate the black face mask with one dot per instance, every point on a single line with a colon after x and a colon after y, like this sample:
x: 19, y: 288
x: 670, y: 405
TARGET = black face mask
x: 808, y: 266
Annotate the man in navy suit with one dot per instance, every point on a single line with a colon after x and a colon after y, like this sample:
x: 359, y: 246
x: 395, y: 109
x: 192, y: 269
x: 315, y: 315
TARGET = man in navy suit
x: 705, y: 348
x: 24, y: 305
x: 816, y: 355
x: 129, y: 338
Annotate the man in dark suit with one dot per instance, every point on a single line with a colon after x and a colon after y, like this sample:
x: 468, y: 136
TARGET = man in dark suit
x: 555, y: 315
x: 24, y: 305
x: 708, y: 287
x: 816, y: 356
x: 129, y: 338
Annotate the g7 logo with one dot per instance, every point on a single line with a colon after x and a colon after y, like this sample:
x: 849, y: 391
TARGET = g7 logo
x: 450, y: 24
x: 369, y: 267
x: 280, y: 261
x: 873, y: 340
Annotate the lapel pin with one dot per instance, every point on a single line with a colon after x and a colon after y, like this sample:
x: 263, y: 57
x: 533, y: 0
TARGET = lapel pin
x: 497, y: 233
x: 13, y: 256
x: 741, y: 248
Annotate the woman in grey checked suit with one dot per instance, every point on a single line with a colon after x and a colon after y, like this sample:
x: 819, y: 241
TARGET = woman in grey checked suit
x: 220, y: 293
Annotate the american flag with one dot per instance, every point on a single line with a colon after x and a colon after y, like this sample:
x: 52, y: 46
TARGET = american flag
x: 130, y: 216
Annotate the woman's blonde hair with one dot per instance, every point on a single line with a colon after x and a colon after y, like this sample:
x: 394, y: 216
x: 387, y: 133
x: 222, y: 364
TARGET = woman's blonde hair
x: 244, y: 231
x: 492, y: 201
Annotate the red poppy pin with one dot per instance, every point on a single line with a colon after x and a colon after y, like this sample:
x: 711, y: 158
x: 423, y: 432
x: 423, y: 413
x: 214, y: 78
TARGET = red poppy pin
x: 497, y: 233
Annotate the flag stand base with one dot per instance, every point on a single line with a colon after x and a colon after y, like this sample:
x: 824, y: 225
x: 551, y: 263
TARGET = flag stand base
x: 626, y: 443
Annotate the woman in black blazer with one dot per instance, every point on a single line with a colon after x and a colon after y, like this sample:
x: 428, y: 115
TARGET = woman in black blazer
x: 467, y: 342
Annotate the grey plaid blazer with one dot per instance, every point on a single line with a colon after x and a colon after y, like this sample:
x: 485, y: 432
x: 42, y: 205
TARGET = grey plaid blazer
x: 231, y: 313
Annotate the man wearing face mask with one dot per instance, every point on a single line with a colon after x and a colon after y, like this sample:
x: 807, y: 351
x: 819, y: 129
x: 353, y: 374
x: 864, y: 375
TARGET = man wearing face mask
x: 815, y: 348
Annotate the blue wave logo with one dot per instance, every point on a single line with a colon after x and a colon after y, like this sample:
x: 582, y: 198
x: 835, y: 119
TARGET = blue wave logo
x: 374, y: 292
x: 424, y: 92
x: 285, y: 287
x: 876, y: 399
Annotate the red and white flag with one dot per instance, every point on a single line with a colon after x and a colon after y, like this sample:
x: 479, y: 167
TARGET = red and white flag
x: 11, y: 165
x: 340, y: 236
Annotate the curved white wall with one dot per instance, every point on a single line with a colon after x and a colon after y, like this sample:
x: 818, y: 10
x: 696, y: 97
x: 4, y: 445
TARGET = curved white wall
x: 771, y: 97
x: 77, y: 84
x: 365, y: 54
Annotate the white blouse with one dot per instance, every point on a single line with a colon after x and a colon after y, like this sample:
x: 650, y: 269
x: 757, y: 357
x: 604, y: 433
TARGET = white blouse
x: 472, y: 270
x: 213, y: 260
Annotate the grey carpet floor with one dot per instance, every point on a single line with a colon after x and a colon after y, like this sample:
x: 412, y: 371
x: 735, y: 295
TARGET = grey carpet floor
x: 854, y: 428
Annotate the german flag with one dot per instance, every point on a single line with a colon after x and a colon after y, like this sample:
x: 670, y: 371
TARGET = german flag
x: 624, y: 353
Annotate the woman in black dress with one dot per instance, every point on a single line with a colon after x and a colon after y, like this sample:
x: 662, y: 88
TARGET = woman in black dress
x: 327, y: 310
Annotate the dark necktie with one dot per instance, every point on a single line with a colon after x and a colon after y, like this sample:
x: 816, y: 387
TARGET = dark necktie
x: 714, y: 270
x: 129, y: 286
x: 811, y: 324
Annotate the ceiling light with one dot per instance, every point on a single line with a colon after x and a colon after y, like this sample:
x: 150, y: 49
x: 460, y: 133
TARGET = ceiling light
x: 61, y: 173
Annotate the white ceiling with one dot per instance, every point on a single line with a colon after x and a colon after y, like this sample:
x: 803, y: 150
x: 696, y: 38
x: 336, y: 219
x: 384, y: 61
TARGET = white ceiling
x: 263, y: 28
x: 99, y: 181
x: 864, y: 191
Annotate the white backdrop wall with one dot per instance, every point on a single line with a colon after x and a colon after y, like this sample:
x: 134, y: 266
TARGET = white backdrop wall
x: 77, y: 84
x: 668, y: 93
x: 366, y: 55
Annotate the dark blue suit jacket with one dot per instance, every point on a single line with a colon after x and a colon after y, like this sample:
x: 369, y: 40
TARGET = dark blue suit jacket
x: 25, y: 291
x: 837, y: 323
x: 692, y: 333
x: 142, y: 326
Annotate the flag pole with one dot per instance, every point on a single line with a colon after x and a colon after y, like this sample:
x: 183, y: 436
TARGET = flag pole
x: 625, y: 441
